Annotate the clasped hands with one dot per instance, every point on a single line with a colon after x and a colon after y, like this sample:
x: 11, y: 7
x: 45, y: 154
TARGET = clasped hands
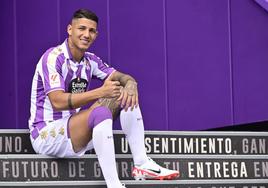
x: 127, y: 96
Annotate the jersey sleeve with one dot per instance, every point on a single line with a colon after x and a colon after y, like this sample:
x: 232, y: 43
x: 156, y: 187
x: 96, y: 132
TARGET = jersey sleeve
x: 52, y: 73
x: 101, y: 70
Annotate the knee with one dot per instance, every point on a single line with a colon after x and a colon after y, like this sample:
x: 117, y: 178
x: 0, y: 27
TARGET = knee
x: 98, y: 115
x: 112, y: 104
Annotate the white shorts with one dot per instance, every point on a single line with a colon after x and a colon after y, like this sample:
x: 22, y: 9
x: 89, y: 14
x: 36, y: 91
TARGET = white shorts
x: 53, y: 140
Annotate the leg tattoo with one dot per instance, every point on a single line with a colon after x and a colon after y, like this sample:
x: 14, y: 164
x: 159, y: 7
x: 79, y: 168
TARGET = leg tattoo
x: 112, y: 104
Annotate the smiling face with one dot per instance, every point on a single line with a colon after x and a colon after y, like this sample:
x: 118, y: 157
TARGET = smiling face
x: 82, y: 33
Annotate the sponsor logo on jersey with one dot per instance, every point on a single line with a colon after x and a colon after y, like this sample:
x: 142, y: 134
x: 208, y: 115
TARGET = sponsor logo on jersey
x: 78, y: 85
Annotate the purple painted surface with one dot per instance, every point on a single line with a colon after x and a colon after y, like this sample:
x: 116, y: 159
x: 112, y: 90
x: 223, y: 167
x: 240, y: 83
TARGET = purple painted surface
x: 36, y: 32
x: 199, y: 64
x: 250, y: 60
x: 198, y: 67
x: 263, y: 3
x: 137, y: 48
x: 7, y: 76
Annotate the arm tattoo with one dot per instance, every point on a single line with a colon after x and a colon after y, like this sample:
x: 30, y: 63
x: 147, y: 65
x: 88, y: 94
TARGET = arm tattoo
x: 70, y: 105
x: 131, y: 87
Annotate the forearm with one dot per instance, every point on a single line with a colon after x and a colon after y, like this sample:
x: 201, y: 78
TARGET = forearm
x: 81, y: 99
x: 122, y: 78
x: 66, y: 101
x: 125, y: 78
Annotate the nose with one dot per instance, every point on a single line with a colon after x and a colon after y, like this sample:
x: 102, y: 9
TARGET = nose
x: 87, y: 34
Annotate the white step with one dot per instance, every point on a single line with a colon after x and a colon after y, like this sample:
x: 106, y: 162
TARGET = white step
x: 144, y: 184
x: 163, y: 142
x: 205, y: 160
x: 192, y: 167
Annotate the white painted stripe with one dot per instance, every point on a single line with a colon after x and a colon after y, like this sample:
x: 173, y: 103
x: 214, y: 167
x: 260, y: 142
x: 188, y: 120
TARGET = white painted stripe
x: 126, y: 156
x: 184, y: 133
x: 133, y: 182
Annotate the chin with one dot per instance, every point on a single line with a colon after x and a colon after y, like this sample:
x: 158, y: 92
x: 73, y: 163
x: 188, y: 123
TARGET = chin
x: 84, y: 48
x: 85, y: 45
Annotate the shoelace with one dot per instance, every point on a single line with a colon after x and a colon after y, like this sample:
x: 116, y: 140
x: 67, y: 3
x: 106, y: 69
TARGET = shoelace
x: 151, y: 160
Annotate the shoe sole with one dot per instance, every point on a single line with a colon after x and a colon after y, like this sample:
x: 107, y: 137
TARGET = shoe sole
x: 168, y: 177
x: 149, y: 176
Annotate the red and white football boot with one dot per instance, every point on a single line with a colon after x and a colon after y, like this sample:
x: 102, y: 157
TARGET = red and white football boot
x: 151, y: 170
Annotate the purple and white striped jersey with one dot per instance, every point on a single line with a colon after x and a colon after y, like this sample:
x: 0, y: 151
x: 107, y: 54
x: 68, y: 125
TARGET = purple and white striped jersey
x: 55, y: 71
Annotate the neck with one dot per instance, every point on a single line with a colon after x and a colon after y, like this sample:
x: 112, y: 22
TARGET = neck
x: 77, y: 54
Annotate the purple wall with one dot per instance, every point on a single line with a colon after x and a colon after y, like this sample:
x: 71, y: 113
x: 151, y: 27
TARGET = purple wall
x: 199, y: 64
x: 8, y: 77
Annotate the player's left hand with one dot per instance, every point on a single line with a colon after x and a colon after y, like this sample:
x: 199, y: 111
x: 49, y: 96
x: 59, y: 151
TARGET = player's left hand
x: 129, y: 95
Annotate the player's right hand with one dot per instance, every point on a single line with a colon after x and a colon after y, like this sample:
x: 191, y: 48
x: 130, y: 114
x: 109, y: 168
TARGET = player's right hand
x: 111, y: 88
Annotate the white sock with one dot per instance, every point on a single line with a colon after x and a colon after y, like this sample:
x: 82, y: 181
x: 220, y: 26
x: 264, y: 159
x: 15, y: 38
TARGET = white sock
x: 104, y: 147
x: 132, y: 126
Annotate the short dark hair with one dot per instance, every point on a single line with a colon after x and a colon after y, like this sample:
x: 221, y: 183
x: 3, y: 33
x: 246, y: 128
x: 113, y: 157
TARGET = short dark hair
x: 84, y: 13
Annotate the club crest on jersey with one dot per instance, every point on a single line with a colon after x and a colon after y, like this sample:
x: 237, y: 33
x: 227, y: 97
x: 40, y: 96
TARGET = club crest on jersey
x: 54, y: 80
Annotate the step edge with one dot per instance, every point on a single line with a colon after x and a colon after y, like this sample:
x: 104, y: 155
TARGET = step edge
x: 151, y: 132
x: 133, y: 182
x: 171, y: 156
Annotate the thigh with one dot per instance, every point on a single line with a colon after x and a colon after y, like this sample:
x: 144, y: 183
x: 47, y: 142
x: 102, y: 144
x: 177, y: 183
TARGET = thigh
x: 79, y: 130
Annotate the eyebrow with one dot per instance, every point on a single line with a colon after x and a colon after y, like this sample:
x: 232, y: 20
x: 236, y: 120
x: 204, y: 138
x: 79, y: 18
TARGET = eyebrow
x: 82, y: 25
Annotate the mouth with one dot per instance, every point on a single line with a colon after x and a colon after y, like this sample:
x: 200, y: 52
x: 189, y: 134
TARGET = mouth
x: 85, y: 41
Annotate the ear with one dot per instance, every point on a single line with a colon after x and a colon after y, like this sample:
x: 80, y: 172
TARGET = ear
x: 69, y: 29
x: 96, y: 35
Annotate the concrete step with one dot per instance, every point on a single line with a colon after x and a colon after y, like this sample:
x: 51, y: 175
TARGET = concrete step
x: 144, y: 184
x: 24, y: 168
x: 163, y: 142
